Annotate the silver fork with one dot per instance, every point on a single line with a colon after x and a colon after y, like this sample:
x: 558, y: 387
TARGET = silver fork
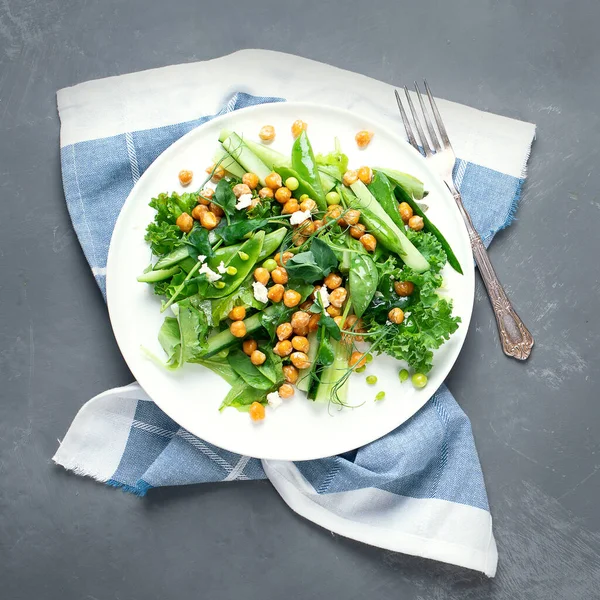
x: 514, y: 336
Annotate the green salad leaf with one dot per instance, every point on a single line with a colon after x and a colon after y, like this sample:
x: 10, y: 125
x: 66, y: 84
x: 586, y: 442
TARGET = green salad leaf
x: 225, y: 198
x: 198, y: 238
x: 170, y: 340
x: 169, y: 207
x: 313, y: 264
x: 241, y: 396
x: 250, y: 373
x: 163, y: 237
x: 337, y: 160
x: 230, y: 234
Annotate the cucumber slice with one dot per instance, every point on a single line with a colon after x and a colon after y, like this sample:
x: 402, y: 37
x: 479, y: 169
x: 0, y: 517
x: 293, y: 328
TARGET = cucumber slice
x: 410, y: 183
x: 304, y: 376
x: 269, y: 156
x: 224, y: 159
x: 243, y: 155
x: 160, y: 275
x: 225, y: 339
x: 387, y: 233
x: 331, y: 374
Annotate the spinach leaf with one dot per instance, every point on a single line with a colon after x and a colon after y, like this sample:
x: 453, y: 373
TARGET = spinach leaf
x: 324, y: 256
x: 230, y: 234
x: 330, y: 326
x: 221, y: 367
x: 304, y: 266
x: 198, y: 238
x: 271, y: 368
x: 243, y: 296
x: 325, y: 354
x: 241, y: 364
x: 240, y: 396
x: 225, y: 198
x: 193, y: 329
x: 278, y: 313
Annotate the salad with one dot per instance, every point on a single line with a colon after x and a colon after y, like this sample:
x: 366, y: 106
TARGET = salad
x: 291, y: 272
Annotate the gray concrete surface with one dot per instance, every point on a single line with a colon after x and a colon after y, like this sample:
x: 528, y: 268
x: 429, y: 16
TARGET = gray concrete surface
x: 535, y: 424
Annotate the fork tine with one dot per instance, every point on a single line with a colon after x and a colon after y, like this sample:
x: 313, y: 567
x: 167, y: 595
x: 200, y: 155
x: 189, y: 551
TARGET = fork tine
x: 438, y: 118
x: 407, y: 127
x: 432, y: 134
x: 424, y: 142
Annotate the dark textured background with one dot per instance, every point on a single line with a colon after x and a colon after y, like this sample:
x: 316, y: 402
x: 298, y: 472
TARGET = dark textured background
x: 535, y: 423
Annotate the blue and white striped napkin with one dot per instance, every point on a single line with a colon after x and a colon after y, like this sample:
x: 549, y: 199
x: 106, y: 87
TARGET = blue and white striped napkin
x: 420, y: 489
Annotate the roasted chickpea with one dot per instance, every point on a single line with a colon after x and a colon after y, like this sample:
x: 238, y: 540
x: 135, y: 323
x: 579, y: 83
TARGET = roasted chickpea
x: 258, y: 358
x: 283, y: 348
x: 240, y: 189
x: 338, y: 297
x: 273, y: 180
x: 306, y: 304
x: 318, y: 224
x: 297, y: 238
x: 249, y: 346
x: 218, y: 172
x: 184, y: 222
x: 404, y: 288
x: 313, y: 323
x: 350, y: 177
x: 267, y: 133
x: 257, y: 411
x: 198, y: 210
x: 332, y: 311
x: 351, y: 217
x: 206, y: 195
x: 308, y: 204
x: 357, y: 231
x: 265, y: 193
x: 291, y: 206
x: 298, y: 127
x: 365, y: 174
x: 238, y: 329
x: 339, y: 319
x: 185, y: 177
x: 279, y: 275
x: 307, y: 228
x: 406, y: 211
x: 251, y: 180
x: 237, y: 313
x: 396, y: 315
x: 416, y: 223
x: 283, y: 194
x: 290, y: 373
x: 208, y: 220
x: 275, y: 293
x: 333, y: 281
x: 286, y: 391
x: 281, y: 260
x: 284, y: 331
x: 300, y: 360
x: 350, y: 322
x: 334, y: 212
x: 291, y: 298
x: 300, y: 343
x: 299, y: 321
x: 363, y: 138
x: 262, y: 275
x: 368, y: 241
x: 216, y: 209
x: 357, y: 360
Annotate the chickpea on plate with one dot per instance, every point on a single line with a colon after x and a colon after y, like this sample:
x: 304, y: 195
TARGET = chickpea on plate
x: 291, y: 273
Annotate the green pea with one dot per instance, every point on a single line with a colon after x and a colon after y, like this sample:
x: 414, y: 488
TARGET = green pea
x: 243, y: 255
x: 379, y: 396
x: 270, y: 265
x: 223, y: 354
x: 332, y: 198
x: 219, y: 284
x: 369, y: 358
x: 360, y: 369
x: 291, y: 183
x: 231, y: 270
x: 403, y: 375
x: 371, y: 379
x: 303, y: 198
x: 419, y: 380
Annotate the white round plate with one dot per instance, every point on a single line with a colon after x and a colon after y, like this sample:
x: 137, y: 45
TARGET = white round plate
x: 299, y: 429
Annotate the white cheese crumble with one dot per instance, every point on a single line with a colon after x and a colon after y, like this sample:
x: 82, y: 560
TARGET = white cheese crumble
x: 244, y: 201
x: 201, y: 257
x: 210, y: 274
x: 299, y: 217
x: 222, y: 268
x: 324, y: 295
x: 260, y: 291
x: 274, y: 400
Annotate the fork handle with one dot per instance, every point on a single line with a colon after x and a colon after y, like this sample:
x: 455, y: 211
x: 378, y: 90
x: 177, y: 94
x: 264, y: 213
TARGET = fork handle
x: 516, y: 339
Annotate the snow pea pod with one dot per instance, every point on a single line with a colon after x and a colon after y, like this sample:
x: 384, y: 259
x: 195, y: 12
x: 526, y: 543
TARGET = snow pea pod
x: 363, y: 282
x: 403, y: 196
x: 303, y: 186
x: 243, y: 261
x: 304, y: 163
x: 383, y: 191
x: 271, y: 242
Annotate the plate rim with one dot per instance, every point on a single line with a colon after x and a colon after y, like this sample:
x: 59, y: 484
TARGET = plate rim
x: 377, y: 124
